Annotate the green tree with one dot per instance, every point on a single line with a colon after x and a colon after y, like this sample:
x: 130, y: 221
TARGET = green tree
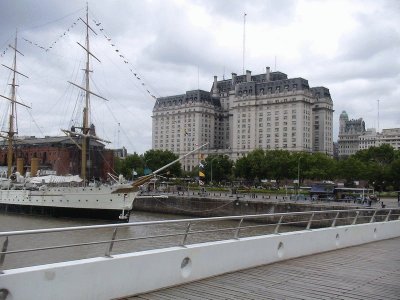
x: 242, y: 168
x: 317, y: 166
x: 258, y: 164
x: 350, y: 169
x: 278, y: 165
x: 382, y: 155
x: 155, y: 159
x: 394, y: 173
x: 126, y: 166
x: 378, y: 165
x: 221, y: 167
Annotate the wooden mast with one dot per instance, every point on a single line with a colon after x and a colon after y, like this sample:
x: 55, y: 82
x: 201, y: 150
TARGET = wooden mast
x: 85, y: 135
x: 85, y: 123
x: 12, y: 130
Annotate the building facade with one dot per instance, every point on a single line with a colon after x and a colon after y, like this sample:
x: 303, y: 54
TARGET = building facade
x: 60, y: 154
x: 371, y: 138
x: 349, y: 133
x: 246, y: 112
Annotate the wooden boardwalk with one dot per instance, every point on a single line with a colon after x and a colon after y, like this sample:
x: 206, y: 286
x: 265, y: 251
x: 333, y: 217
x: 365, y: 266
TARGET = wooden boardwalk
x: 370, y: 271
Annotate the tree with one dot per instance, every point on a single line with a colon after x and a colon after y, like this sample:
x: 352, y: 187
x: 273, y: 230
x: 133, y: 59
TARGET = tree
x: 130, y: 163
x: 394, y: 174
x: 377, y: 162
x: 278, y: 165
x: 252, y: 166
x: 155, y: 159
x: 382, y: 155
x: 317, y: 166
x: 242, y: 168
x: 221, y: 167
x: 350, y: 169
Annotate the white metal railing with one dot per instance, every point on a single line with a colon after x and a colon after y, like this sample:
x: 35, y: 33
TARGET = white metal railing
x: 237, y: 227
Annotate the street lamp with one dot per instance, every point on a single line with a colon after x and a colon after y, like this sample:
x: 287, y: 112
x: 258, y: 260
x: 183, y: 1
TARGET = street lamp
x: 298, y: 177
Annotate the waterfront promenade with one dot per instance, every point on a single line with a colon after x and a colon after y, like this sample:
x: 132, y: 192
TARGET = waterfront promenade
x: 370, y: 271
x: 187, y: 251
x: 282, y: 198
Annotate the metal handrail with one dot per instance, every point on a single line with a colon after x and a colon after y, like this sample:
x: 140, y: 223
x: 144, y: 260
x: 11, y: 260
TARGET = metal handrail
x: 347, y: 217
x: 210, y: 219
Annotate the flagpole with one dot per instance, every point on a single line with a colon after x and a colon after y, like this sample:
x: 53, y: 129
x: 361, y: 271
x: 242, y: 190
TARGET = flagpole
x: 244, y: 37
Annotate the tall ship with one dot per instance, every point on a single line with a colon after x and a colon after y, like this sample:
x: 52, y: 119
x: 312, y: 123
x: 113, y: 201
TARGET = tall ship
x: 66, y: 195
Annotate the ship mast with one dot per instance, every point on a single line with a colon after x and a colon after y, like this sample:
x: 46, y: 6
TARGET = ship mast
x: 12, y: 126
x: 85, y: 123
x: 85, y: 135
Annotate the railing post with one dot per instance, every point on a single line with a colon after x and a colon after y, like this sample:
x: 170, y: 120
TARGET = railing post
x: 238, y: 229
x: 3, y: 254
x: 388, y: 216
x: 373, y: 216
x: 186, y: 234
x: 276, y: 231
x: 335, y: 219
x: 111, y: 245
x: 355, y: 218
x: 309, y: 221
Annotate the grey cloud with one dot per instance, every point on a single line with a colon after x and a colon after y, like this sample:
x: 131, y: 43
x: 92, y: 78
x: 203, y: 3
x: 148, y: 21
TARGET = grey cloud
x: 369, y: 41
x: 276, y: 12
x: 166, y: 48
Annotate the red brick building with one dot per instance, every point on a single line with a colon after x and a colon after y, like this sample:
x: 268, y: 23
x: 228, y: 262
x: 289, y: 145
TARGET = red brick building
x: 60, y: 154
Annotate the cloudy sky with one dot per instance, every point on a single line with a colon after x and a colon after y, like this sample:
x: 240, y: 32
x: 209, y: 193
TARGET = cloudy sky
x: 167, y: 47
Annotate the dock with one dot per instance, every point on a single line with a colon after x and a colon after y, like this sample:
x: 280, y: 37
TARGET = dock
x: 369, y: 271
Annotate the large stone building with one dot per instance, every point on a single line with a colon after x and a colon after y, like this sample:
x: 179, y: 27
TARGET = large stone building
x: 60, y: 154
x: 349, y: 133
x: 371, y: 138
x: 354, y: 137
x: 267, y: 111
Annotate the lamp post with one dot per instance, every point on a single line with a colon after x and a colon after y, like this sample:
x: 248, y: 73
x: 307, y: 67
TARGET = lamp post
x: 298, y: 177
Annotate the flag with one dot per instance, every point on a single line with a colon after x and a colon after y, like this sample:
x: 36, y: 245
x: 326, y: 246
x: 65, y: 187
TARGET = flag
x: 201, y: 174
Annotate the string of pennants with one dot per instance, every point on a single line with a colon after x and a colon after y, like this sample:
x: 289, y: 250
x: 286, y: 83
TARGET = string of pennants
x: 123, y: 58
x: 4, y: 51
x: 108, y: 39
x: 53, y: 44
x: 202, y: 173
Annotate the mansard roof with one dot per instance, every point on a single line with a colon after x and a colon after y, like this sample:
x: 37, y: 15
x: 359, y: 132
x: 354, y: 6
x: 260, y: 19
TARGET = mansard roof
x: 194, y: 96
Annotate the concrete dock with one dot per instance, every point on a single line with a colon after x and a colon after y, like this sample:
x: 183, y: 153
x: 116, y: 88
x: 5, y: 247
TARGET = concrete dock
x: 370, y: 271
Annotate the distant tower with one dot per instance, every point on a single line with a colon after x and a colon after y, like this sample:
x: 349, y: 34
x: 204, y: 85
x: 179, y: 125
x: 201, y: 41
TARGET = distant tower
x: 342, y: 121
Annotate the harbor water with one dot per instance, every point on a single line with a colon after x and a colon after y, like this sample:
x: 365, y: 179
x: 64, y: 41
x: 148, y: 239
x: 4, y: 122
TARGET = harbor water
x: 16, y: 222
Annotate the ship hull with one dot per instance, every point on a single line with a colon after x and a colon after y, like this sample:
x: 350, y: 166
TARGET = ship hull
x: 104, y: 214
x: 83, y: 202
